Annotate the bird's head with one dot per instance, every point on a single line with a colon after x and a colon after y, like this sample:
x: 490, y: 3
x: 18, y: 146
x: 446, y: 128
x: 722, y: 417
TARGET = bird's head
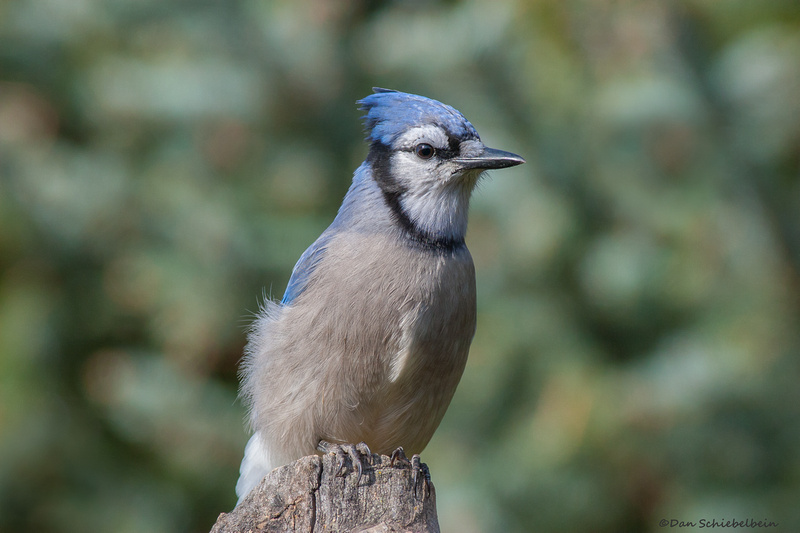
x: 426, y: 158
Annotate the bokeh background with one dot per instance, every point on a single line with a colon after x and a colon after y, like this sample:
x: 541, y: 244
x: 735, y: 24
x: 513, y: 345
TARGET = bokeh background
x: 164, y: 164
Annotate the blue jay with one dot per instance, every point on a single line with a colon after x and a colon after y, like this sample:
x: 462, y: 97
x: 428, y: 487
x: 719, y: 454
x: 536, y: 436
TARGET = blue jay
x: 372, y: 334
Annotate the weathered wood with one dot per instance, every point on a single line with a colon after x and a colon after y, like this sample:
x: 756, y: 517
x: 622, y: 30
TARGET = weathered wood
x: 307, y: 496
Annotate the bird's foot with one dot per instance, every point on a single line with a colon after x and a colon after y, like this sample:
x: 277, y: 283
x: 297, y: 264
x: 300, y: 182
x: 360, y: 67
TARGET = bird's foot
x: 356, y: 453
x: 399, y: 456
x: 418, y: 468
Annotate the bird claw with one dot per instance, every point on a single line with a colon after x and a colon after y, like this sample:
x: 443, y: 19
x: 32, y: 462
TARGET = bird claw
x: 417, y: 468
x: 356, y: 453
x: 399, y: 455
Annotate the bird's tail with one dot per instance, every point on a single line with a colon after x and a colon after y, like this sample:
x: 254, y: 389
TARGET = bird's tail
x: 255, y: 465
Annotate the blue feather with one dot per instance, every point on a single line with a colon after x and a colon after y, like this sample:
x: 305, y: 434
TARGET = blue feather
x: 305, y: 267
x: 391, y: 113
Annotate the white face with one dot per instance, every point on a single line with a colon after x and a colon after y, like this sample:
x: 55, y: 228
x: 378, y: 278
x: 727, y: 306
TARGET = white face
x: 437, y: 191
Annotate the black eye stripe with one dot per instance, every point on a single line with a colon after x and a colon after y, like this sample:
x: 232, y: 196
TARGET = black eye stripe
x: 454, y: 144
x: 452, y: 150
x: 442, y: 153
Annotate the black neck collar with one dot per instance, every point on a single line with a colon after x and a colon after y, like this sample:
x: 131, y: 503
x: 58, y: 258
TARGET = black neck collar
x: 379, y: 159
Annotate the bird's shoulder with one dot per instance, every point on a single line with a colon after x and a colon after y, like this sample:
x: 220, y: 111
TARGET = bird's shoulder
x: 305, y: 267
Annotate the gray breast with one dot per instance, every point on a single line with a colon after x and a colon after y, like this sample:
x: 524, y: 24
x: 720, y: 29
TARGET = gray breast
x: 381, y: 337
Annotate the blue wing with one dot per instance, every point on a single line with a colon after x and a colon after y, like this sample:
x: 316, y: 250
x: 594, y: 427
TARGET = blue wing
x: 305, y: 267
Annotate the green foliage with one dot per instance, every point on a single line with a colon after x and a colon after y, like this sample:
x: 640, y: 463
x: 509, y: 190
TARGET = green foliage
x: 163, y: 164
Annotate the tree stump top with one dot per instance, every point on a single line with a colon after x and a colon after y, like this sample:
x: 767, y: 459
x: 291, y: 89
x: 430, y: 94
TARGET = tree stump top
x: 308, y: 496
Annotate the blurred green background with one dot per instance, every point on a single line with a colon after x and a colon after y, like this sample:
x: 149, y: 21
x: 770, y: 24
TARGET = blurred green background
x: 164, y: 164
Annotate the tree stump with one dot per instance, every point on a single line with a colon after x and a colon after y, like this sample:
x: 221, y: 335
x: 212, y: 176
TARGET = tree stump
x: 307, y: 496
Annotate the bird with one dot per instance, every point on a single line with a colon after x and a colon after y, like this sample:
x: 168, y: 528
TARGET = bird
x: 372, y: 334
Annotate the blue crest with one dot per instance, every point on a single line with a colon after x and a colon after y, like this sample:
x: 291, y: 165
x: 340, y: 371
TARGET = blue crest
x: 390, y: 113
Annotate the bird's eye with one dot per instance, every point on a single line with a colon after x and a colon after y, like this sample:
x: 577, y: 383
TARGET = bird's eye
x: 424, y: 150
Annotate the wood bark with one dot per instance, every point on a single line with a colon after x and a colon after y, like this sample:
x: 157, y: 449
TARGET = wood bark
x: 308, y: 496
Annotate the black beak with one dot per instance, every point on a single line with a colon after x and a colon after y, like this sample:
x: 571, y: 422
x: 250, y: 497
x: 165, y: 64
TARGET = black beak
x: 490, y: 158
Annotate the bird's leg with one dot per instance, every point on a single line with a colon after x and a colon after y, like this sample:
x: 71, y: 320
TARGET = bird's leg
x: 356, y: 452
x: 417, y: 468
